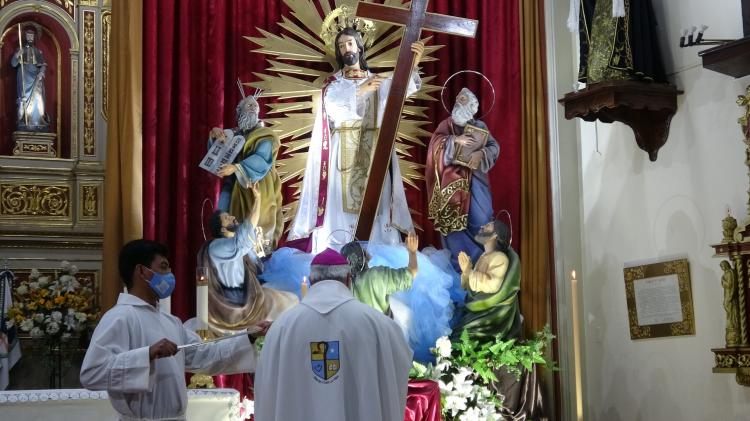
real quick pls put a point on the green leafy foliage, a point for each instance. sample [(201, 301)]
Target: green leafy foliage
[(511, 354)]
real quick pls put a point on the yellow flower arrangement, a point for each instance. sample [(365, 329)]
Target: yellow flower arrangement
[(53, 308)]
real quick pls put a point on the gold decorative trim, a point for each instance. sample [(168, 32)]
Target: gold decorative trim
[(74, 135), (724, 361), (13, 10), (36, 148), (34, 144), (30, 200), (678, 267), (743, 376), (89, 201), (106, 30), (89, 85), (447, 217), (88, 2), (92, 236), (36, 245), (67, 5)]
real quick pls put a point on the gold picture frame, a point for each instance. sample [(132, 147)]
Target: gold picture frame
[(652, 291)]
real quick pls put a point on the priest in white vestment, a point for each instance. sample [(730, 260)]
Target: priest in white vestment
[(338, 163), (332, 357), (133, 353)]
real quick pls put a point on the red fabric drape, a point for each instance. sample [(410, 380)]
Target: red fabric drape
[(422, 401), (193, 54)]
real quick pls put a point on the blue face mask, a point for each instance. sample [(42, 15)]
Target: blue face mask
[(162, 283)]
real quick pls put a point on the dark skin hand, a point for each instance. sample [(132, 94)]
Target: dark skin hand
[(162, 349)]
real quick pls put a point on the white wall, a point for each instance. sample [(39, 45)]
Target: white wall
[(633, 209)]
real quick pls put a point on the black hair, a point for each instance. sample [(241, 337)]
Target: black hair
[(355, 254), (214, 224), (138, 252), (503, 235), (360, 46)]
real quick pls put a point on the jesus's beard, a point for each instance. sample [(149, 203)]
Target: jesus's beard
[(462, 114), (247, 121)]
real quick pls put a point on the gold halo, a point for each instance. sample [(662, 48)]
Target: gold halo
[(341, 18)]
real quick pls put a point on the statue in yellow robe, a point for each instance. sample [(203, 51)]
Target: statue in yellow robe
[(493, 284), (255, 165)]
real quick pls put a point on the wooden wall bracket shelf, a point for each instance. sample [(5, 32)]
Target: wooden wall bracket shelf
[(732, 58), (646, 107)]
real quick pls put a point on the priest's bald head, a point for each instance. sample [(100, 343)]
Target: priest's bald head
[(330, 265)]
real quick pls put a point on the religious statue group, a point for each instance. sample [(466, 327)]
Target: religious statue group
[(372, 307), (247, 286)]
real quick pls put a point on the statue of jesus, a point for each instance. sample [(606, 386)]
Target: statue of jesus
[(342, 140)]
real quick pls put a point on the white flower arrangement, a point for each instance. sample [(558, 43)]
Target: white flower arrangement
[(465, 370), (464, 396), (53, 307)]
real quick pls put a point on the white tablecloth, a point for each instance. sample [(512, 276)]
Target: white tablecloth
[(82, 404)]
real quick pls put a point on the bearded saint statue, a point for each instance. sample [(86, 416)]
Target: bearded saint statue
[(253, 166), (31, 69), (458, 190), (236, 299)]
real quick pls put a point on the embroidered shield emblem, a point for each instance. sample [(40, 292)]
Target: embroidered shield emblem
[(324, 357)]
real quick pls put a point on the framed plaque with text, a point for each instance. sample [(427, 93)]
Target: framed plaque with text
[(659, 298)]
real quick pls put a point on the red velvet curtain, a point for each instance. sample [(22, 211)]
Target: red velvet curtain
[(194, 51)]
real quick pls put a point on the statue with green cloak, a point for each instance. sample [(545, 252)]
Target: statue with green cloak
[(492, 310), (492, 283)]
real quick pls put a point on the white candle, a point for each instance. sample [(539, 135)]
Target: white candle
[(303, 287), (202, 310), (576, 346), (165, 305), (201, 298)]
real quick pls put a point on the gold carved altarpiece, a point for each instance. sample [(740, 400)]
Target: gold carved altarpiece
[(51, 192), (734, 249)]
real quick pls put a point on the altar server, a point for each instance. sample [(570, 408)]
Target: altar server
[(133, 353), (332, 357)]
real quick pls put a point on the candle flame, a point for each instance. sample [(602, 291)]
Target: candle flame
[(573, 274)]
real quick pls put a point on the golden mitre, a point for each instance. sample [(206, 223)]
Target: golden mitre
[(344, 17)]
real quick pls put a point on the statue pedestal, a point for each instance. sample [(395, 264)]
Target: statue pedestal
[(34, 144)]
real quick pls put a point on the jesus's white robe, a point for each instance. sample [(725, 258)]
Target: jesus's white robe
[(117, 360), (342, 107), (332, 358)]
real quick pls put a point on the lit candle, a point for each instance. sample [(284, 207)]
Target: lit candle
[(303, 287), (201, 297), (576, 345)]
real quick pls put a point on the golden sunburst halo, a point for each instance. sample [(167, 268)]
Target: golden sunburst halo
[(294, 82)]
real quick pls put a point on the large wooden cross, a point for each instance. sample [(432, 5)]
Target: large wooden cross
[(415, 20)]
